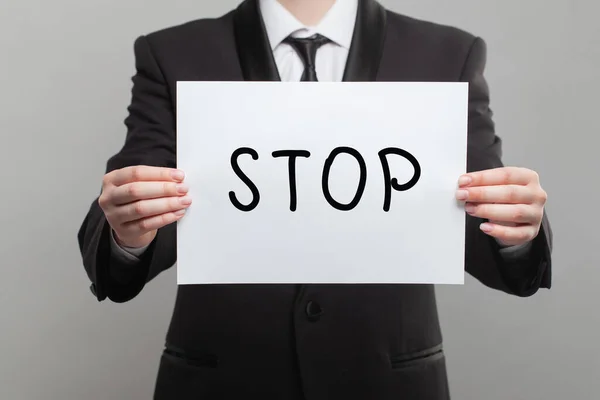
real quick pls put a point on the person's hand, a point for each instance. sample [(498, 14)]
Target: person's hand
[(510, 198), (137, 201)]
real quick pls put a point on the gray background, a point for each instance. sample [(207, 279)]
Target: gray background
[(64, 88)]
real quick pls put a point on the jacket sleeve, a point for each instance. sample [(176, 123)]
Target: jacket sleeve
[(150, 140), (522, 276)]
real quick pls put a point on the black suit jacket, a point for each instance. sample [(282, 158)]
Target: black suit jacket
[(301, 341)]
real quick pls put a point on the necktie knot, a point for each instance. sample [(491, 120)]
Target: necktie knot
[(307, 48)]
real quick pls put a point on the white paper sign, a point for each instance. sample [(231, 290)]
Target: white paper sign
[(234, 141)]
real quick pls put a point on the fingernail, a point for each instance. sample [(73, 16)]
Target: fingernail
[(186, 201), (487, 228), (462, 194), (178, 175), (182, 189), (180, 212), (464, 180), (470, 208)]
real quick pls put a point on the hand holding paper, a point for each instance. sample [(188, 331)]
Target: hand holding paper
[(512, 199), (139, 200)]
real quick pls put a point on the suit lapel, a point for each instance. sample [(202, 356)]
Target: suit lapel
[(256, 58), (252, 42), (367, 42)]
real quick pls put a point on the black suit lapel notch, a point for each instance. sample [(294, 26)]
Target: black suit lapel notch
[(367, 42), (253, 48)]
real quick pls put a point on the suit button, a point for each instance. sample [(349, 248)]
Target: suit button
[(93, 289), (313, 311)]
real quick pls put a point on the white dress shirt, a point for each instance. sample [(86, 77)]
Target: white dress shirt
[(338, 26)]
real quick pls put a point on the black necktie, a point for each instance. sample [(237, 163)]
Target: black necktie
[(307, 50)]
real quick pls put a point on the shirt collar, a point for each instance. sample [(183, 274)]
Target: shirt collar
[(337, 25)]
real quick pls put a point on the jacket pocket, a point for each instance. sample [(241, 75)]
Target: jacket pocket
[(198, 360), (417, 358)]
